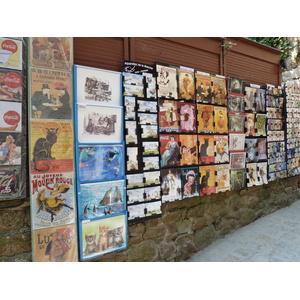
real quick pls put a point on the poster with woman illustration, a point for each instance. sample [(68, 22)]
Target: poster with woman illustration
[(169, 150), (190, 182), (55, 244), (166, 81), (203, 87), (219, 90), (51, 94), (168, 117), (171, 185), (220, 119), (222, 178), (10, 149), (186, 83), (11, 85), (51, 53), (188, 149), (205, 118), (187, 117)]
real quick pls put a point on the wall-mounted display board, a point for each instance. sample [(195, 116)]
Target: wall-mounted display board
[(13, 121), (292, 91), (100, 162), (51, 150)]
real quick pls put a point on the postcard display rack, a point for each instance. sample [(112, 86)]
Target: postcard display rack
[(143, 177), (292, 92), (51, 150), (101, 187), (13, 78)]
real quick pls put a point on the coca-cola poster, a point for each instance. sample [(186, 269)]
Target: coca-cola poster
[(10, 53), (11, 85), (10, 116), (51, 53)]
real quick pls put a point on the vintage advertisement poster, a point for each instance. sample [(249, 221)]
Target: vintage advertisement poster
[(169, 150), (102, 236), (187, 117), (10, 116), (11, 182), (51, 94), (186, 84), (51, 147), (101, 198), (222, 178), (235, 85), (236, 142), (207, 180), (168, 117), (188, 149), (55, 244), (99, 124), (251, 174), (236, 104), (238, 178), (219, 90), (205, 118), (10, 148), (11, 52), (96, 86), (203, 87), (221, 149), (166, 81), (206, 149), (52, 199), (101, 163), (220, 119), (171, 185), (11, 85), (190, 182), (51, 53)]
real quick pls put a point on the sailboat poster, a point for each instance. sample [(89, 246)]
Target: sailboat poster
[(101, 198)]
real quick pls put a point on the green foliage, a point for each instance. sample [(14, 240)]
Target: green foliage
[(280, 43)]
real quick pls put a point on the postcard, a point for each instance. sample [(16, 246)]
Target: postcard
[(169, 150), (11, 85), (237, 160), (205, 118), (152, 178), (221, 149), (188, 149), (206, 149), (168, 117), (187, 117), (132, 161), (11, 52), (171, 185), (186, 83), (166, 81), (222, 178), (190, 182), (207, 180), (220, 119), (11, 116), (203, 87), (238, 178), (219, 90), (135, 195), (236, 142)]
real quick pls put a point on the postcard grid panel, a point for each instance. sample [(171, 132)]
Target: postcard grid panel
[(13, 123), (51, 144), (100, 162)]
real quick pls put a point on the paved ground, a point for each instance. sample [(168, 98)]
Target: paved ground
[(273, 238)]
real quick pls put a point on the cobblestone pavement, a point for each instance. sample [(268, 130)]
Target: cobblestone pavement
[(273, 238)]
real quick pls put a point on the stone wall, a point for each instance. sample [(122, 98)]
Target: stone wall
[(185, 227)]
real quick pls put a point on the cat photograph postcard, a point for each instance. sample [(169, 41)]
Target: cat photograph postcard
[(104, 235)]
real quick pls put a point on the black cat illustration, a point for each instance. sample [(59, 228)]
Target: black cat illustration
[(203, 149), (42, 148), (204, 181)]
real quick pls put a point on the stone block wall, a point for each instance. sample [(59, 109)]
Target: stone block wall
[(185, 227)]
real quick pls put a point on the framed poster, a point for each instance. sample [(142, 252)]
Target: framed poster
[(203, 87), (51, 53), (186, 83), (55, 244), (171, 185), (53, 200), (51, 94), (101, 198), (101, 163), (99, 124), (52, 146), (11, 52), (101, 236), (166, 81), (97, 86), (11, 85), (10, 116)]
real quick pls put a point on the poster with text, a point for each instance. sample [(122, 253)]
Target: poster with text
[(188, 149), (203, 87), (206, 149), (166, 81), (190, 182), (205, 118), (169, 150), (10, 116), (171, 185), (186, 83), (11, 85), (207, 180), (11, 51)]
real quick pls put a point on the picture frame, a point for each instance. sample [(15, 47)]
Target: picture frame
[(99, 124), (97, 86)]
